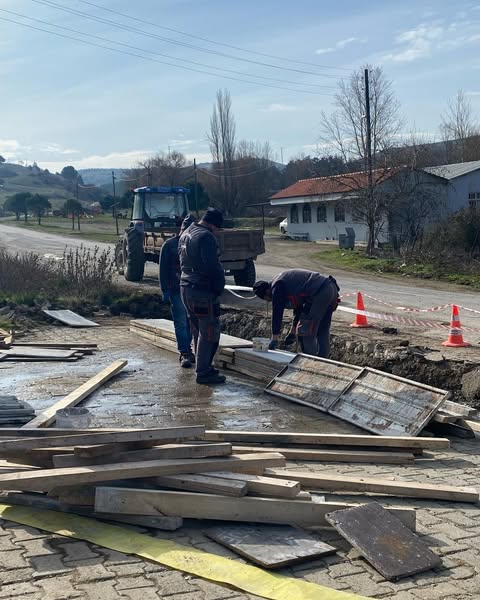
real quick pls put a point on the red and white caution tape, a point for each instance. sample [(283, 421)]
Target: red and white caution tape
[(410, 309), (400, 319)]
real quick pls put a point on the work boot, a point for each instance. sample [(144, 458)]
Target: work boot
[(191, 357), (185, 361), (211, 378)]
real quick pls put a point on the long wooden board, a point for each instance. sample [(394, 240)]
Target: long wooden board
[(271, 546), (68, 317), (210, 506), (203, 483), (144, 435), (357, 456), (326, 439), (372, 485), (47, 417), (167, 451), (263, 486), (384, 541), (46, 479), (38, 353)]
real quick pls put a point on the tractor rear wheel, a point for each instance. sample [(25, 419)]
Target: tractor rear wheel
[(134, 256), (247, 275)]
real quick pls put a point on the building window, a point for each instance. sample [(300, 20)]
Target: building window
[(478, 196), (322, 213), (307, 213), (474, 204), (294, 214), (471, 196), (339, 211)]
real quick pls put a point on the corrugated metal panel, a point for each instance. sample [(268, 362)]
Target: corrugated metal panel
[(378, 402), (455, 170)]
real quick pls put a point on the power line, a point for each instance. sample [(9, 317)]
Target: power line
[(197, 37), (103, 39), (163, 62), (233, 176), (51, 4)]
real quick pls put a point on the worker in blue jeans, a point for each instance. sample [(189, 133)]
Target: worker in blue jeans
[(170, 286)]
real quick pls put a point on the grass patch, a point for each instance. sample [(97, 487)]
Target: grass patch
[(357, 260)]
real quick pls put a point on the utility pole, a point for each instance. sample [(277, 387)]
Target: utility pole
[(76, 189), (195, 193), (369, 165), (149, 177), (114, 211)]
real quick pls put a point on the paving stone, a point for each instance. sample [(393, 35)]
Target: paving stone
[(12, 559), (323, 578), (114, 557), (77, 551), (212, 591), (93, 573), (16, 575), (7, 543), (139, 581), (345, 568), (172, 582), (128, 569), (37, 547), (48, 565), (437, 592), (100, 590), (58, 588), (15, 590), (22, 532)]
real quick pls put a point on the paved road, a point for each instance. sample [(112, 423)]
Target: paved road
[(420, 294)]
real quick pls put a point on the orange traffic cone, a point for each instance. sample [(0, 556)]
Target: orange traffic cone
[(360, 320), (455, 337)]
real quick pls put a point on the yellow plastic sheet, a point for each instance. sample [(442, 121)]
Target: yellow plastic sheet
[(209, 566)]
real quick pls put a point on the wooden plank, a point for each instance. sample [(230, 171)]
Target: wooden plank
[(157, 436), (461, 410), (384, 541), (47, 417), (210, 506), (167, 451), (67, 345), (454, 429), (46, 479), (41, 353), (326, 439), (271, 546), (164, 328), (68, 317), (16, 432), (473, 425), (357, 456), (441, 417), (371, 485), (97, 450), (263, 486), (203, 483), (41, 501)]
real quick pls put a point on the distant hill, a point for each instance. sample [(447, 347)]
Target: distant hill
[(16, 178)]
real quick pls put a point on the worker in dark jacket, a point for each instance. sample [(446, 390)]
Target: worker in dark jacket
[(202, 282), (313, 298), (170, 286)]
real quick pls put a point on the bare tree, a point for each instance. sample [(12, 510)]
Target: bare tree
[(460, 129), (222, 138), (170, 169), (346, 133)]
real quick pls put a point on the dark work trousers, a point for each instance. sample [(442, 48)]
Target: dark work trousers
[(313, 329), (180, 322), (203, 310)]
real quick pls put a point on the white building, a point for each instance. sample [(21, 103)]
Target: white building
[(322, 207)]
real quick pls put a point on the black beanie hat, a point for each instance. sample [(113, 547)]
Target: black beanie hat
[(187, 221), (213, 216), (260, 287)]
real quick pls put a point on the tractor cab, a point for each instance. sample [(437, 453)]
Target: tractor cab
[(159, 208)]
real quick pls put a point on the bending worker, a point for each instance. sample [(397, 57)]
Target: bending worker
[(170, 286), (201, 285), (313, 298)]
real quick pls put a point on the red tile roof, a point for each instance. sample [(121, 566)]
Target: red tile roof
[(336, 184)]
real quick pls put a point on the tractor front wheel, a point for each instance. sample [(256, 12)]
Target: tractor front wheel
[(134, 256)]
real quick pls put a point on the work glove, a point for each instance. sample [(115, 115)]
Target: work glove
[(166, 296), (273, 345), (290, 339)]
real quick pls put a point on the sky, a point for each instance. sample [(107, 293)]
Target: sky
[(64, 101)]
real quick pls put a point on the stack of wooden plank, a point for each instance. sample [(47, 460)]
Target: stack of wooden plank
[(186, 472), (162, 334), (14, 412), (44, 351), (263, 366)]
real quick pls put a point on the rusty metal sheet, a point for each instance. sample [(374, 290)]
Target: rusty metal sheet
[(388, 405), (383, 540), (271, 546), (316, 382)]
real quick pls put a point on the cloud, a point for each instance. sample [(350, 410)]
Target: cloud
[(341, 44), (9, 147), (427, 39), (472, 93), (57, 149), (114, 160), (277, 107)]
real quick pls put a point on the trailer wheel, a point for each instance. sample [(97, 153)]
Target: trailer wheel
[(247, 275), (134, 256)]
